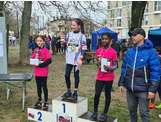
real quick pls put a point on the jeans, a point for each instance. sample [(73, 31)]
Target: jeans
[(138, 99), (68, 70)]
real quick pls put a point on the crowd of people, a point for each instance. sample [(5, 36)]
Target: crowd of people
[(52, 43), (140, 71)]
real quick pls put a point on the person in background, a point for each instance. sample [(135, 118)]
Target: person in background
[(88, 44), (14, 40), (159, 89), (31, 44), (58, 46), (47, 43), (62, 48), (53, 45), (116, 46)]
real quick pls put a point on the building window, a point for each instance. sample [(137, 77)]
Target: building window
[(109, 13), (116, 3), (124, 3), (119, 23), (147, 8), (157, 6), (109, 5), (146, 22), (112, 14), (119, 12)]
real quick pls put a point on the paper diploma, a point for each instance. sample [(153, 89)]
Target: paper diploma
[(104, 62)]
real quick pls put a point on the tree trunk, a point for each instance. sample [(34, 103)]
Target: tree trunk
[(7, 41), (137, 12), (17, 24), (1, 8), (25, 32)]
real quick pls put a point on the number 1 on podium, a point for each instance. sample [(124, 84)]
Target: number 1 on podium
[(64, 110)]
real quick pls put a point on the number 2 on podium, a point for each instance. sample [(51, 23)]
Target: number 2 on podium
[(64, 110), (39, 116)]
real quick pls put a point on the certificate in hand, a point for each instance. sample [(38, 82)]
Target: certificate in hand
[(34, 62), (104, 61)]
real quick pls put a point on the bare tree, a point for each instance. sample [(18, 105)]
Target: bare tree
[(82, 8), (25, 32)]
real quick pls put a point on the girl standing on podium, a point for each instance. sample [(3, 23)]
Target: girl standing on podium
[(76, 45), (41, 70), (107, 63)]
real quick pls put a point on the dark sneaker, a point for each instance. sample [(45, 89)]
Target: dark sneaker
[(38, 104), (93, 117), (102, 118), (67, 94), (45, 106), (75, 96)]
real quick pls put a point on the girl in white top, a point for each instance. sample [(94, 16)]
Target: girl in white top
[(76, 46)]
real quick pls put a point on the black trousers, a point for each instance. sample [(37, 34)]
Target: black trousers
[(159, 90), (107, 86), (41, 83), (68, 70)]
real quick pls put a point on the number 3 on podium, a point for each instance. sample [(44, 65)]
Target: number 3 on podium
[(64, 109)]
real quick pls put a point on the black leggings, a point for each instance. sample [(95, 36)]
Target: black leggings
[(68, 70), (41, 83), (107, 86)]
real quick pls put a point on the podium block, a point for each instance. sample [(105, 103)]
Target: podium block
[(70, 111), (40, 115), (64, 111), (86, 118)]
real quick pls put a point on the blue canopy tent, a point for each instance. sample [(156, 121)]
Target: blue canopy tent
[(155, 36), (97, 34)]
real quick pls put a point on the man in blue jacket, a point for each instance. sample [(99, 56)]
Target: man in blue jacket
[(140, 75)]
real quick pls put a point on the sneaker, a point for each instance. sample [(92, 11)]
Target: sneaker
[(151, 106), (67, 94), (102, 117), (38, 104), (45, 106), (158, 106), (75, 96), (159, 115), (93, 117)]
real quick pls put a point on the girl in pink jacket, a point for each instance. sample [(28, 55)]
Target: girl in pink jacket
[(41, 70)]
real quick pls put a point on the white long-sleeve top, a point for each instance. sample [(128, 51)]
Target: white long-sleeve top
[(75, 43)]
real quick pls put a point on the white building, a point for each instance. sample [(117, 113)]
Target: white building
[(119, 16)]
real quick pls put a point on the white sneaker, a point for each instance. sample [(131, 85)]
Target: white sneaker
[(159, 115)]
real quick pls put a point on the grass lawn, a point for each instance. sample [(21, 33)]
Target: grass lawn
[(10, 111)]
